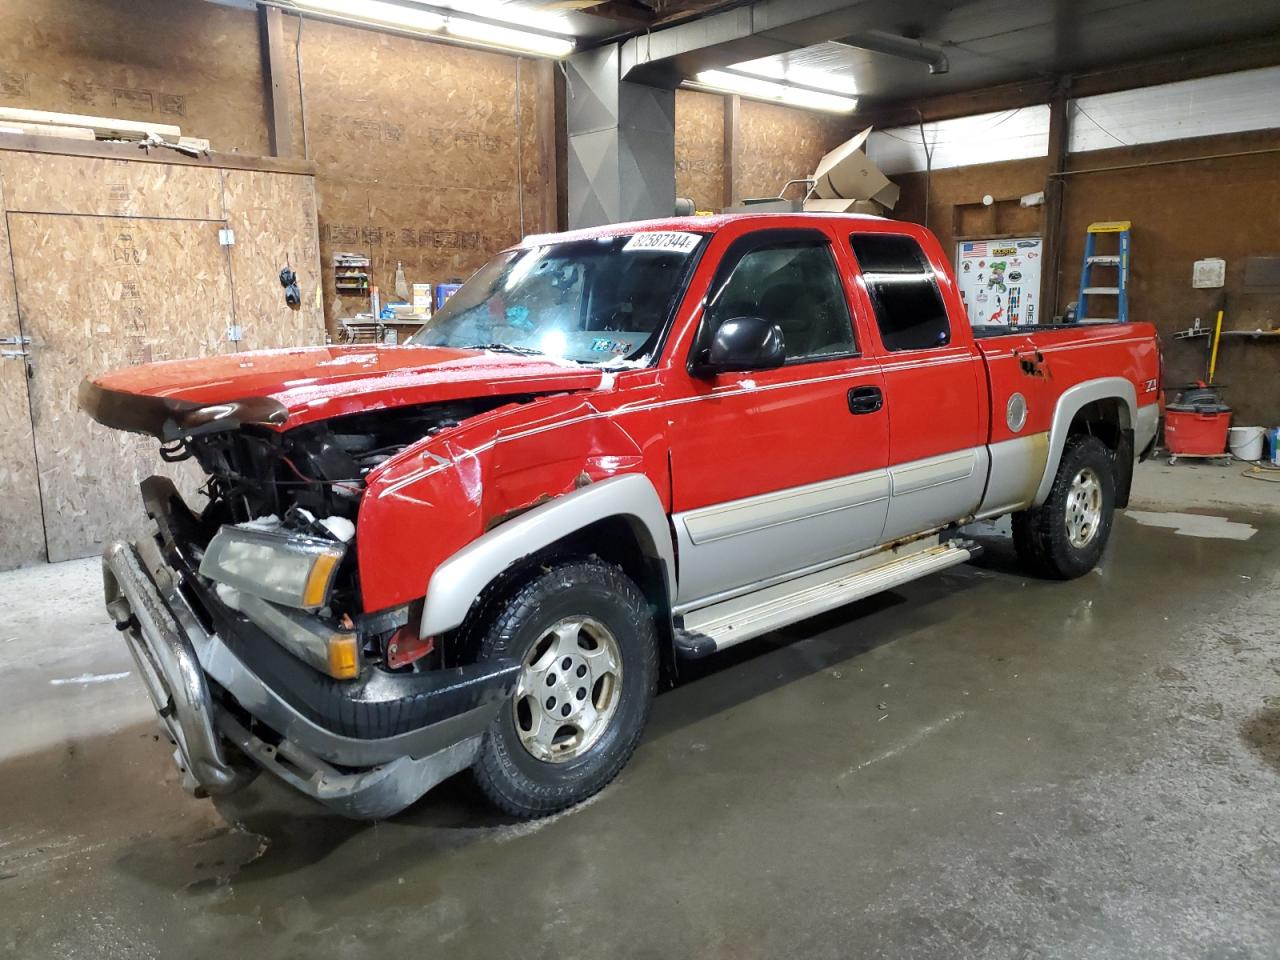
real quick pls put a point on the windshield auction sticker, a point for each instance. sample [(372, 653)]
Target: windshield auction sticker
[(662, 242)]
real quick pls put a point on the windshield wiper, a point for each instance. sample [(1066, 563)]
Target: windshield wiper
[(505, 348)]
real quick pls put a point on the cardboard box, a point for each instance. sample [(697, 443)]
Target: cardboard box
[(844, 206), (423, 299), (846, 173)]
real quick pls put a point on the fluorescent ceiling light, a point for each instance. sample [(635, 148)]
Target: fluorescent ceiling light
[(415, 19), (513, 14), (757, 88), (377, 11), (508, 39), (770, 69)]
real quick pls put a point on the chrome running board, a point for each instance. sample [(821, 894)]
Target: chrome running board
[(710, 629)]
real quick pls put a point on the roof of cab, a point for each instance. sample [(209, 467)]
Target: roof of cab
[(694, 224)]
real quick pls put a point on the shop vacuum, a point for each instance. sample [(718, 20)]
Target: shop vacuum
[(1196, 421)]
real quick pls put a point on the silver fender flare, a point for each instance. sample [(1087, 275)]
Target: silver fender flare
[(1070, 403), (459, 580)]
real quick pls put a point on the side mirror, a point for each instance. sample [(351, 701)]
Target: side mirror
[(743, 343)]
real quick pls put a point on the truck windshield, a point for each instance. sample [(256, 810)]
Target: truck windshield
[(604, 300)]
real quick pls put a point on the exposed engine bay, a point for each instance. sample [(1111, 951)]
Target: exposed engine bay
[(320, 467), (310, 480)]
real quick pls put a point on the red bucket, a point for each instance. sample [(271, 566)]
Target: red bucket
[(1192, 432)]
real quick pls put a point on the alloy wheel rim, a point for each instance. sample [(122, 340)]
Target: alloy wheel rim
[(1084, 508), (568, 690)]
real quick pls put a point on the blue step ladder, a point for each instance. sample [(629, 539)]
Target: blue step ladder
[(1119, 261)]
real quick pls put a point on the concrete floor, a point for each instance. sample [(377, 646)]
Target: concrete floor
[(977, 765)]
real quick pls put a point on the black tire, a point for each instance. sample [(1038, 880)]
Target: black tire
[(507, 772), (1041, 535)]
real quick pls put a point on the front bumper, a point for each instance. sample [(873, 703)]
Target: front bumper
[(232, 701)]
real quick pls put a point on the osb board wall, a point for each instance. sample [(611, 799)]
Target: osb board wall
[(777, 144), (272, 215), (117, 263), (274, 219), (964, 187), (187, 62), (98, 293), (1227, 207), (118, 188), (21, 527), (426, 156), (700, 148)]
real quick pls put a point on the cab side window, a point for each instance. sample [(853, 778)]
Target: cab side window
[(904, 291), (790, 280)]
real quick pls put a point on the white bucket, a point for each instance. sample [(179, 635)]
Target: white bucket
[(1245, 443)]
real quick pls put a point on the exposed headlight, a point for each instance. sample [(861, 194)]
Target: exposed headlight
[(291, 570)]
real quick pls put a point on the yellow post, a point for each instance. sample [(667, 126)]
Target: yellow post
[(1213, 354)]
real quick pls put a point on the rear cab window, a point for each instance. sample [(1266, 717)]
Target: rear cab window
[(904, 291)]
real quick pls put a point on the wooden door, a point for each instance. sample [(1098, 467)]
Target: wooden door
[(273, 216), (95, 293)]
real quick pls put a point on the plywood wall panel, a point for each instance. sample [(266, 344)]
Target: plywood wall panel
[(97, 293), (777, 144), (48, 183), (421, 156), (418, 117), (185, 62), (965, 187), (274, 219), (700, 148), (21, 523)]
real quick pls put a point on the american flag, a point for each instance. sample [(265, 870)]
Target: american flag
[(977, 248)]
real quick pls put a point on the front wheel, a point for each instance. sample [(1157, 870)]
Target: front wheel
[(585, 638), (1064, 537)]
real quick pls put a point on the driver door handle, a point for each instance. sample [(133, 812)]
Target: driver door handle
[(865, 400)]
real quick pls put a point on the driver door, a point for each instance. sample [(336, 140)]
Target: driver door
[(775, 471)]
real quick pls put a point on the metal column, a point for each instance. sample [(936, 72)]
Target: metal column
[(621, 153)]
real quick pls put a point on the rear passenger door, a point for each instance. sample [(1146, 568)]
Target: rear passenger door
[(933, 386)]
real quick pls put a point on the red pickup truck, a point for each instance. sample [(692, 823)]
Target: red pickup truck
[(612, 450)]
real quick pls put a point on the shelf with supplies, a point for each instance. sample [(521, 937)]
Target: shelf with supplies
[(351, 274)]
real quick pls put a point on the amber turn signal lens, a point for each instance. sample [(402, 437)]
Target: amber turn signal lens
[(344, 656), (318, 579)]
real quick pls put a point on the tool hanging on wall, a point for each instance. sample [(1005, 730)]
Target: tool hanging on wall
[(1217, 339), (1119, 260)]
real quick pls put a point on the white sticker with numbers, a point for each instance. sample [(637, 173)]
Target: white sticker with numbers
[(662, 242)]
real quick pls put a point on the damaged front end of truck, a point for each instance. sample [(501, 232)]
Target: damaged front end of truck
[(246, 618)]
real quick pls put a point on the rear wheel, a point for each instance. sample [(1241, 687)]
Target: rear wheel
[(1064, 537), (585, 638)]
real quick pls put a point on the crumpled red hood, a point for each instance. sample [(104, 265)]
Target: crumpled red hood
[(316, 383)]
